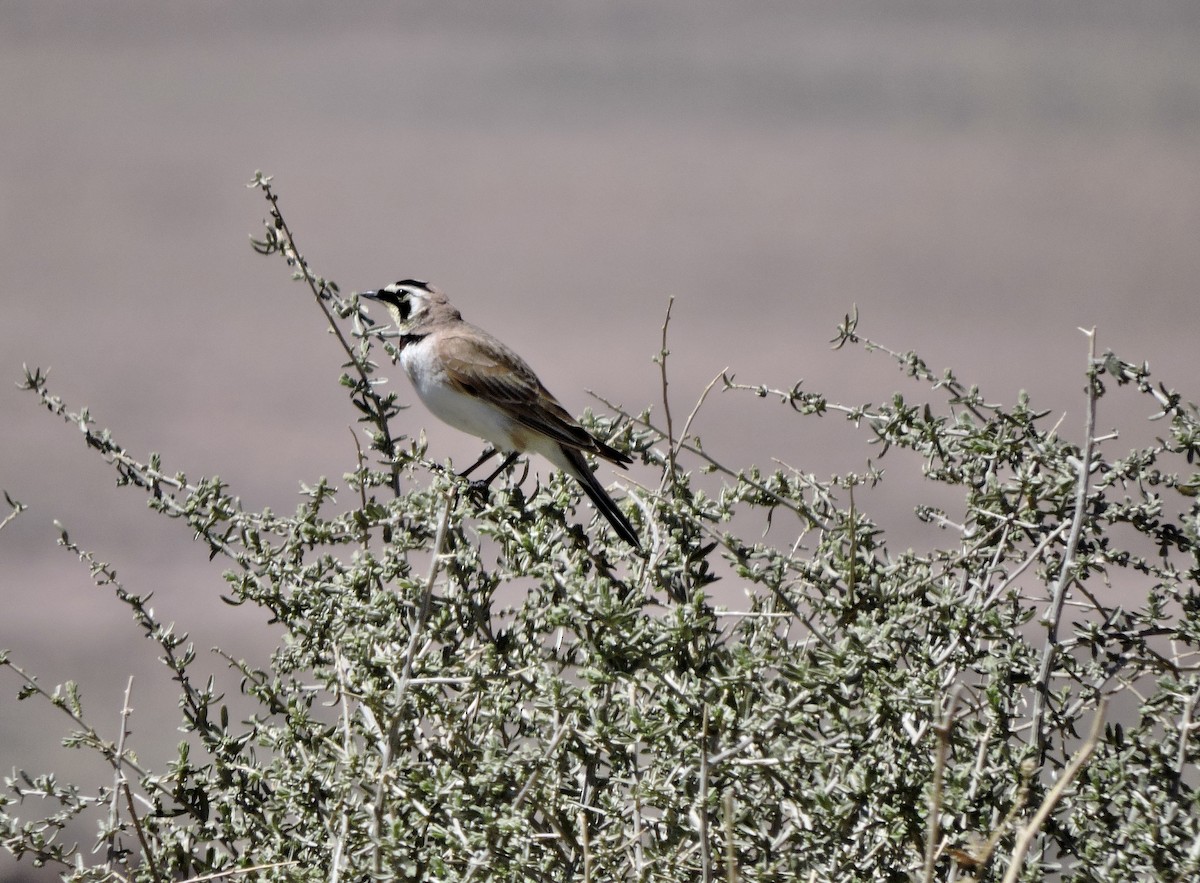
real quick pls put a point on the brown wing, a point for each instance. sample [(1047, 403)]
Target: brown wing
[(481, 366)]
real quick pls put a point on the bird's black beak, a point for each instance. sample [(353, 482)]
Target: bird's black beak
[(368, 295)]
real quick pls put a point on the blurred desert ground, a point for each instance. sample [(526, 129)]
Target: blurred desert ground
[(979, 178)]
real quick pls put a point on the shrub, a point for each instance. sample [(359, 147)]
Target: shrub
[(479, 688)]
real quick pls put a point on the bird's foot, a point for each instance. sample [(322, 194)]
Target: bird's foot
[(477, 489)]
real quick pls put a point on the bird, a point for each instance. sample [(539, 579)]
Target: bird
[(473, 382)]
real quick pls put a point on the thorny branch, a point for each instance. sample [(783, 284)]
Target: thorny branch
[(1051, 648), (380, 409)]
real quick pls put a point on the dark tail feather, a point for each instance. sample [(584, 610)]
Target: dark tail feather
[(611, 454), (600, 498)]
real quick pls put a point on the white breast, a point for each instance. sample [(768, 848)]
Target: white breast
[(464, 412)]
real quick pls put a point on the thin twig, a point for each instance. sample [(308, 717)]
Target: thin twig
[(1050, 651), (717, 466), (292, 253), (687, 424), (1001, 545), (91, 737), (675, 446), (118, 780), (1186, 725), (918, 368), (339, 844), (586, 845), (1026, 835), (555, 740), (362, 482), (662, 368), (1024, 565), (942, 752), (702, 810), (639, 855), (435, 566), (405, 677), (648, 514), (852, 571), (154, 481), (141, 835), (731, 864)]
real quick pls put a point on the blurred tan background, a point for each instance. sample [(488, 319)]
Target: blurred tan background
[(980, 178)]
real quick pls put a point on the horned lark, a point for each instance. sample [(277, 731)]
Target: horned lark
[(475, 383)]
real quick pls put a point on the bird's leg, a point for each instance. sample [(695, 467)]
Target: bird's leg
[(482, 483), (487, 455)]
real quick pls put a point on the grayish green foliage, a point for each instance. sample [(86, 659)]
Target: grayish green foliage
[(413, 726)]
